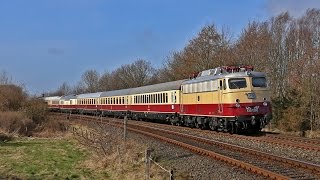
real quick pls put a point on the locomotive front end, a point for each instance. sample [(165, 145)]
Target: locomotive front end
[(247, 99)]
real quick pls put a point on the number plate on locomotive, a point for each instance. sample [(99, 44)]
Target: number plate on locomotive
[(251, 95), (252, 109)]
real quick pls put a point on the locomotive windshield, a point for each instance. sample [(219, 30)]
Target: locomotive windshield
[(259, 82), (237, 83)]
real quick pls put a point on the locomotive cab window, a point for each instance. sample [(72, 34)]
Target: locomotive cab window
[(259, 82), (237, 83)]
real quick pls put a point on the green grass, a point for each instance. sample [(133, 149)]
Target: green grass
[(45, 159)]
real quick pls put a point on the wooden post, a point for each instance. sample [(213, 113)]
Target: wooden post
[(171, 174), (125, 120), (148, 153)]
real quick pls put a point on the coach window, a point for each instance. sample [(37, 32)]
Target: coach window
[(166, 97)]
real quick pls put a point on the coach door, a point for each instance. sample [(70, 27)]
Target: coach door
[(220, 95)]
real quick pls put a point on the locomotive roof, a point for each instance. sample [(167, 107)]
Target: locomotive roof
[(89, 95), (173, 85), (225, 75)]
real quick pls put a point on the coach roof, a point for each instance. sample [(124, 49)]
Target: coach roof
[(174, 85), (68, 97), (89, 95), (115, 93)]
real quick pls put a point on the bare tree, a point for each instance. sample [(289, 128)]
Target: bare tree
[(105, 82), (90, 79), (5, 78), (79, 88), (137, 74), (206, 51)]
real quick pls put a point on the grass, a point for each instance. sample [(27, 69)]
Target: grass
[(46, 159)]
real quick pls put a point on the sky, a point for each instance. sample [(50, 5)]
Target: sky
[(44, 43)]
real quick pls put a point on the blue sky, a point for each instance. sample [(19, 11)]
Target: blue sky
[(44, 43)]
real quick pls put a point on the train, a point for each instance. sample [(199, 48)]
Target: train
[(231, 99)]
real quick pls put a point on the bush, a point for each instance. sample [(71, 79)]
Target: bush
[(12, 97), (36, 110), (16, 123)]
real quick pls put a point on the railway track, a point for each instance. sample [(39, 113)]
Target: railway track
[(283, 140), (278, 139), (265, 164)]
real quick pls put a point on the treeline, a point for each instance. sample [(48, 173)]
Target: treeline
[(286, 48)]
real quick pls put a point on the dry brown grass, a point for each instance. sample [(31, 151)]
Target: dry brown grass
[(52, 128), (16, 123), (126, 163), (122, 160), (313, 134)]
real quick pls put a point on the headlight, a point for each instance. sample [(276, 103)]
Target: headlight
[(237, 103), (265, 102)]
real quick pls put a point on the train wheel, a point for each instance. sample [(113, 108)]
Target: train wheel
[(212, 125), (233, 128), (197, 125)]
